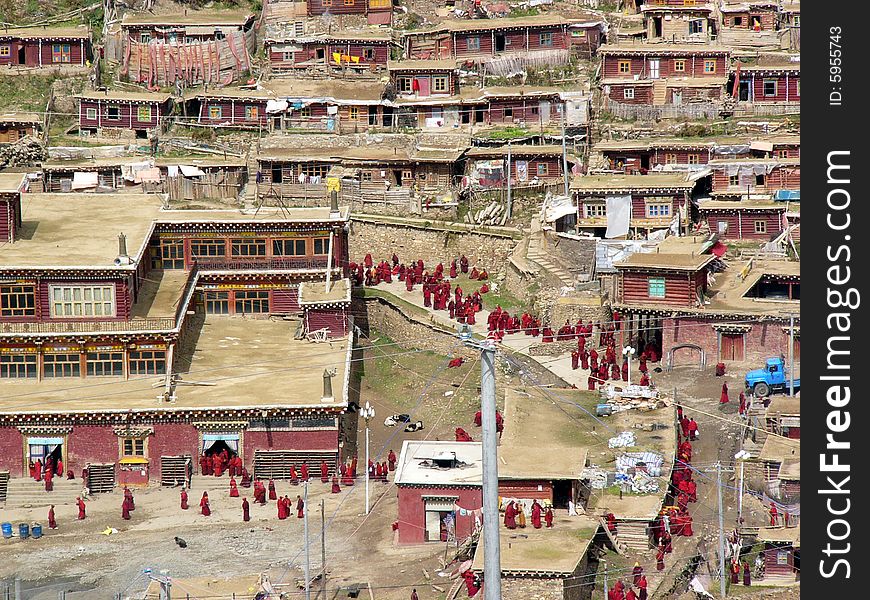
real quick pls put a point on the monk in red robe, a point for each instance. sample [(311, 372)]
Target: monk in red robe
[(324, 472), (234, 491), (548, 334), (304, 471), (548, 517), (641, 586), (536, 514), (49, 483), (693, 429), (282, 508), (625, 369), (246, 510), (37, 470), (510, 516), (660, 558), (294, 476), (70, 475), (575, 360), (129, 496), (81, 506), (246, 478), (644, 379), (52, 523), (453, 269), (391, 459), (205, 509), (183, 499), (774, 514), (272, 494), (300, 507), (125, 510), (723, 397), (335, 488), (636, 573), (59, 470)]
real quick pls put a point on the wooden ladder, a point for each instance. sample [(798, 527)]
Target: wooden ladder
[(101, 478), (660, 92), (174, 470)]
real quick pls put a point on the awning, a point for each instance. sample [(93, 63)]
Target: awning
[(784, 195), (84, 179), (217, 437), (134, 460), (189, 171), (276, 106), (696, 175), (44, 441), (719, 249)]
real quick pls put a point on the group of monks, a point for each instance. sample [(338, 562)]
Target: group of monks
[(621, 591), (80, 504), (47, 471), (218, 462), (515, 515), (735, 572)]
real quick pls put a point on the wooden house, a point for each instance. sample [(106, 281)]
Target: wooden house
[(744, 220), (783, 414), (44, 47), (479, 38), (755, 16), (754, 178), (110, 113), (779, 462), (656, 201), (82, 305), (782, 554), (192, 179), (437, 483), (196, 48), (666, 279), (344, 52), (586, 37), (11, 186), (529, 165), (230, 107), (424, 78), (97, 174), (769, 79), (353, 7), (657, 74), (18, 125), (678, 21), (523, 105)]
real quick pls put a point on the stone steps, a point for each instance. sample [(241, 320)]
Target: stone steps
[(22, 492)]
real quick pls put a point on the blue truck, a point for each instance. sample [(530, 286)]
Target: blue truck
[(771, 379)]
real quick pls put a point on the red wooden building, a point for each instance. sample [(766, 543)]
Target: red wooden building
[(11, 186), (750, 16), (782, 554), (161, 305), (477, 38), (678, 21), (770, 79), (344, 52), (201, 26), (233, 107), (659, 74), (529, 165), (783, 414), (440, 490), (424, 78), (655, 201), (17, 125), (106, 112), (53, 47), (666, 279), (379, 11), (744, 220), (754, 178)]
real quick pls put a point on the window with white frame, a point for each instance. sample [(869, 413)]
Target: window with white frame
[(769, 87), (113, 113), (546, 38), (594, 209), (656, 287), (760, 226), (91, 114), (82, 300), (658, 210), (143, 113), (4, 51), (628, 93), (440, 85), (474, 43)]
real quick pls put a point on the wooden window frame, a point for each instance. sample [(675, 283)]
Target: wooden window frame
[(241, 247), (593, 210), (91, 114), (104, 364), (279, 247), (404, 85), (656, 282), (759, 226), (252, 302), (348, 2), (473, 46), (545, 35), (109, 109), (208, 248), (146, 362), (17, 300), (441, 84), (324, 246), (663, 208), (140, 111), (709, 66), (542, 169), (65, 298), (18, 366), (5, 51), (734, 181), (679, 65), (145, 37), (694, 159), (61, 365), (623, 67), (252, 113), (353, 113), (764, 85), (628, 93), (215, 112), (216, 299), (671, 158), (61, 54), (133, 440)]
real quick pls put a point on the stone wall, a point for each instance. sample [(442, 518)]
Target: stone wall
[(582, 305), (431, 244), (522, 588)]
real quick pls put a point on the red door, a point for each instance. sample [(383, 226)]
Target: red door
[(732, 347)]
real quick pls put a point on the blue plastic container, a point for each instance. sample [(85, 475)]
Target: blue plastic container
[(7, 530), (23, 531), (36, 531)]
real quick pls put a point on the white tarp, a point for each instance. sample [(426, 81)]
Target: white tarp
[(276, 106), (618, 215), (151, 175), (189, 171), (83, 180), (556, 207), (129, 171), (651, 460)]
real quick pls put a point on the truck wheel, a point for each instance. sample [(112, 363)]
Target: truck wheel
[(761, 389)]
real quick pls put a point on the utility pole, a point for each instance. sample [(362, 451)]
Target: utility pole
[(721, 531), (791, 355), (367, 413), (509, 202), (307, 545), (322, 551), (491, 548), (564, 150), (606, 591)]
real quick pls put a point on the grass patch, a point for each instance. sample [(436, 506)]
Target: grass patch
[(25, 92)]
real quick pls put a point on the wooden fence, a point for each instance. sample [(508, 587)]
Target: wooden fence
[(645, 112)]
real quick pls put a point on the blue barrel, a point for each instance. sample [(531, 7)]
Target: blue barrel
[(23, 531), (7, 530), (36, 531)]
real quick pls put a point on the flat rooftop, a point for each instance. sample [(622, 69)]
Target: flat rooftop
[(785, 535), (236, 363), (160, 294), (631, 182), (779, 449), (554, 552), (10, 183), (81, 230), (784, 405), (315, 292), (125, 96), (671, 262), (537, 442), (205, 17), (26, 33), (487, 151), (415, 463), (663, 48)]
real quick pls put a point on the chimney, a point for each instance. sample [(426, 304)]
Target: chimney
[(123, 258), (327, 387)]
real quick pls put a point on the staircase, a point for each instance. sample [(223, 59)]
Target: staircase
[(248, 193), (24, 492), (660, 92), (633, 535), (537, 255)]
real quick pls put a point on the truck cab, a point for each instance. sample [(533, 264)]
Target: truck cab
[(773, 377)]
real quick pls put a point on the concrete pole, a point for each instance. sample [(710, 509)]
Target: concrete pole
[(740, 494), (509, 202), (322, 551), (606, 591), (307, 545), (564, 149), (721, 531), (492, 549), (791, 356), (368, 506)]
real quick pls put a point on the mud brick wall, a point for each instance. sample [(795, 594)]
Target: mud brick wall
[(431, 244)]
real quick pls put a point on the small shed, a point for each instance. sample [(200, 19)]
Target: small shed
[(782, 554)]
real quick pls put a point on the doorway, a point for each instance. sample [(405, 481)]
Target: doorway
[(654, 68), (562, 493), (440, 525), (732, 347), (22, 57), (743, 91), (677, 97), (388, 116), (657, 27), (44, 449), (499, 42), (373, 115), (478, 115)]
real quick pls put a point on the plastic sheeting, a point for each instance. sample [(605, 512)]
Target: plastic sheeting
[(190, 171), (276, 106), (652, 460), (556, 207), (622, 440), (618, 215), (83, 180)]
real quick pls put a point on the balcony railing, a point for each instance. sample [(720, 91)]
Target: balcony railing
[(288, 263), (145, 324)]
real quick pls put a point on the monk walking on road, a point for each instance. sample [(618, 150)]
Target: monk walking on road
[(246, 510), (204, 506), (81, 506), (52, 523), (183, 499)]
